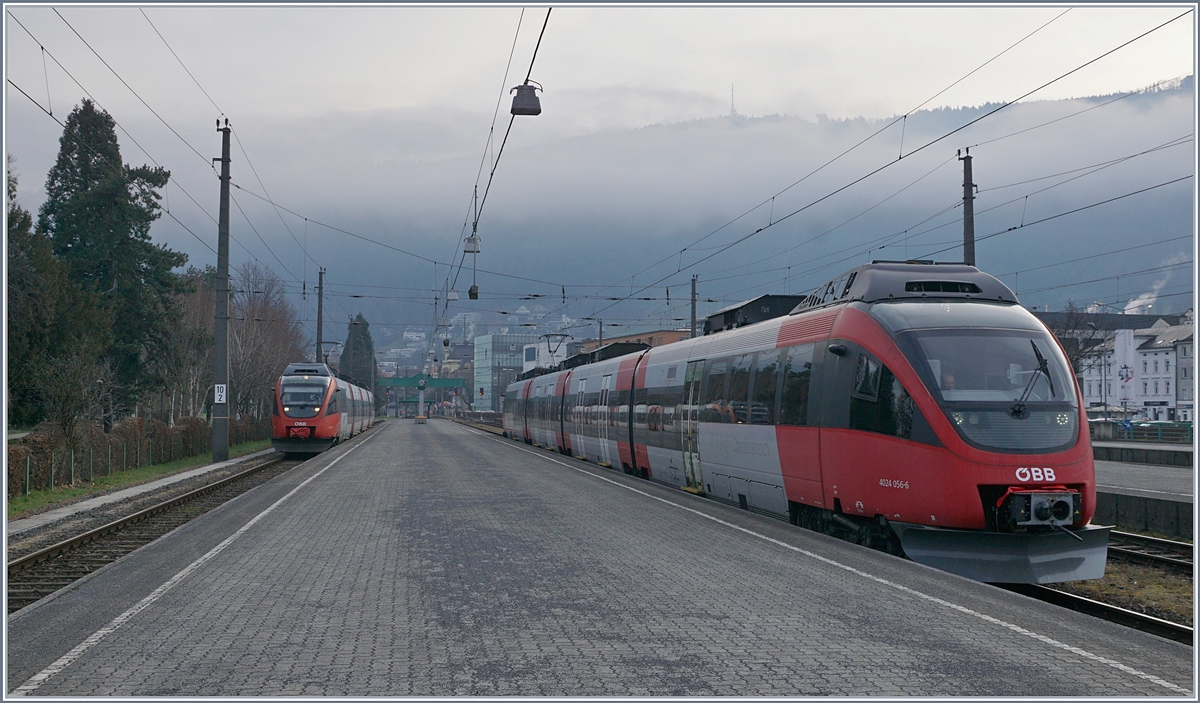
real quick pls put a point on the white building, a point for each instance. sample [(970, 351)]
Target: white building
[(1186, 382), (1148, 373)]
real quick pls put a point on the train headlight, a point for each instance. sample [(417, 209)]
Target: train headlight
[(286, 409), (1063, 419), (973, 418), (1061, 510), (958, 418)]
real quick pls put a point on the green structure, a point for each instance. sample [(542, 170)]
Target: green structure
[(404, 391)]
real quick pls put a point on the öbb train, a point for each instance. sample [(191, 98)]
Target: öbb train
[(912, 407), (314, 410)]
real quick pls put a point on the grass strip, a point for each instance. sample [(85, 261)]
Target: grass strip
[(41, 500)]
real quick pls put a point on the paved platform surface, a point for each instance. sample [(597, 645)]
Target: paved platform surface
[(13, 527), (435, 560), (1149, 481)]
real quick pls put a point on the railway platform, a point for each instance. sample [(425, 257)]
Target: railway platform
[(482, 566), (1160, 453), (15, 527)]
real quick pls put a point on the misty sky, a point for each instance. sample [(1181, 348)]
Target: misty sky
[(375, 120)]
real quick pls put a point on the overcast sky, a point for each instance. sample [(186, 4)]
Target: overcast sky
[(344, 112)]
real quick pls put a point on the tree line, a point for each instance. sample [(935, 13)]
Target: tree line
[(102, 326)]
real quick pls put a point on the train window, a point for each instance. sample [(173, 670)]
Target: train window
[(739, 388), (890, 412), (797, 374), (713, 405), (866, 378), (762, 396)]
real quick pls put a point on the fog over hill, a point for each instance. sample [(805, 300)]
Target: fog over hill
[(595, 210)]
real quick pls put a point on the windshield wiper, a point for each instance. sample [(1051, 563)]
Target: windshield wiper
[(1018, 409)]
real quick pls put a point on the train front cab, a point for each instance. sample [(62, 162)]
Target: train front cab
[(975, 451), (305, 419)]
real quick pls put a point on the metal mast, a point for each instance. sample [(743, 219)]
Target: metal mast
[(220, 413)]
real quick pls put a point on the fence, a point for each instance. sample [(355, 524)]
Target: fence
[(487, 418), (1166, 432), (41, 461)]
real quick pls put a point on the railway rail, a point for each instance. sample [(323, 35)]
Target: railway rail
[(1177, 556), (1104, 611), (45, 571)]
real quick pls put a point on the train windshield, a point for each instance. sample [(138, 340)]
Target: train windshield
[(994, 369), (301, 399)]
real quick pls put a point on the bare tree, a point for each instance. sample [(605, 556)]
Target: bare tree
[(194, 344), (264, 337), (1081, 333), (75, 386)]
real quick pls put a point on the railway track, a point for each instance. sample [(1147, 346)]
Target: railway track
[(1177, 556), (39, 574), (1104, 611)]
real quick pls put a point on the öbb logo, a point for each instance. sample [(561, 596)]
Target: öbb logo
[(1035, 474)]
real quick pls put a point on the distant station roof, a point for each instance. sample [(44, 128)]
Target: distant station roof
[(764, 307), (608, 351)]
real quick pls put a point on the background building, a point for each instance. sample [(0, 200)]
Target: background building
[(1138, 367), (498, 360)]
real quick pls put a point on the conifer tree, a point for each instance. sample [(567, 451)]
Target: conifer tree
[(97, 216), (358, 354)]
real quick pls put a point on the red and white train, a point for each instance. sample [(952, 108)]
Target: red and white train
[(314, 410), (912, 407)]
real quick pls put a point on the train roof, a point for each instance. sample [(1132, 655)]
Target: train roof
[(307, 369), (898, 280)]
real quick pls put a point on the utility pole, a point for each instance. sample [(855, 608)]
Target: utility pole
[(601, 333), (694, 306), (968, 210), (220, 407), (320, 313)]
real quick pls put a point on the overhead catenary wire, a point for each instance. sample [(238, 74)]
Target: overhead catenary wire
[(883, 242), (134, 140), (135, 93), (89, 147), (131, 138), (181, 63), (839, 156), (1064, 214), (681, 268), (99, 105), (918, 149)]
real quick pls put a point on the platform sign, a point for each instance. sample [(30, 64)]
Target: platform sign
[(219, 394)]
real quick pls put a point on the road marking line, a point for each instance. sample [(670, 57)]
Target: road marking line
[(932, 599), (67, 659), (1147, 490)]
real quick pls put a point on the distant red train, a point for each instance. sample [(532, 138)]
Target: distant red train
[(913, 407), (314, 410)]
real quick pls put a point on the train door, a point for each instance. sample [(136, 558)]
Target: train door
[(606, 430), (579, 425), (689, 417), (562, 399)]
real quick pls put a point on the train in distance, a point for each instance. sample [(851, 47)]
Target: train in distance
[(909, 406), (314, 410)]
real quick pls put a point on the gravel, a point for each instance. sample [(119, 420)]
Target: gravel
[(46, 535)]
